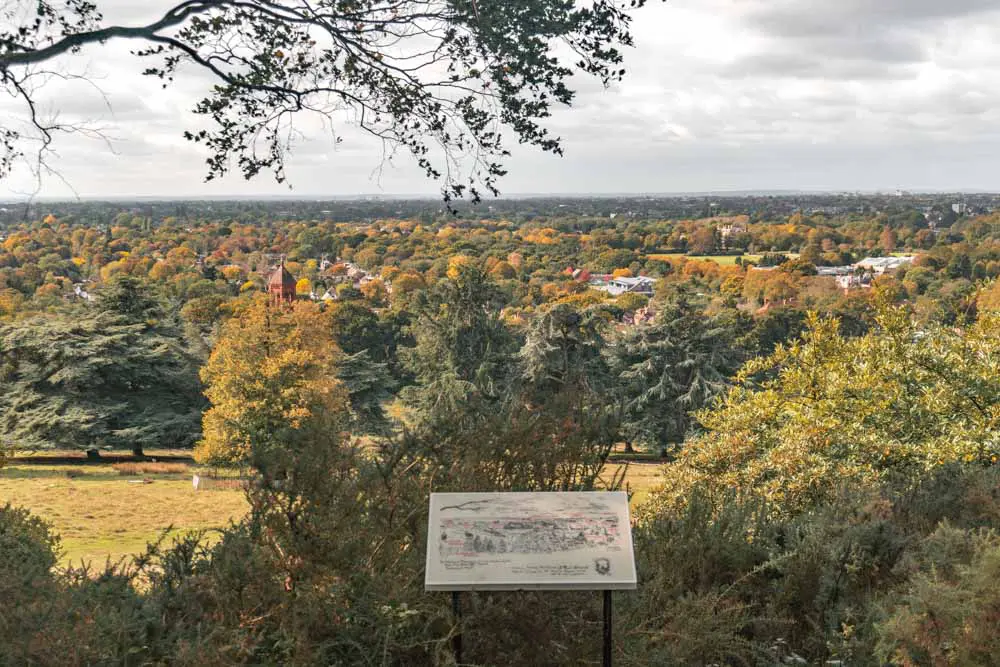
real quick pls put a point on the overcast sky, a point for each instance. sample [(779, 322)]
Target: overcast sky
[(721, 95)]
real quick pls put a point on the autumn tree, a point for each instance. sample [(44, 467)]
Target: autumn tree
[(888, 240), (438, 79), (703, 241), (272, 383)]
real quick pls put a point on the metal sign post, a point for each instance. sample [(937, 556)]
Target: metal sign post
[(607, 628), (456, 641)]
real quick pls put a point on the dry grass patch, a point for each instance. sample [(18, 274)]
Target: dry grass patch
[(99, 514), (640, 478), (151, 468)]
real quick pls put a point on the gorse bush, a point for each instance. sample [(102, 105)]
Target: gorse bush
[(331, 573)]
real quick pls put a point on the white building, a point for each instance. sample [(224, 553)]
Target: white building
[(616, 286), (879, 265)]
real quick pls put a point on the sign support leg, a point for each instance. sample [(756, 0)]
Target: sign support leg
[(607, 629), (456, 641)]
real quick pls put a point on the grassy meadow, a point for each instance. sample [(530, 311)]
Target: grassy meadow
[(105, 510), (722, 260)]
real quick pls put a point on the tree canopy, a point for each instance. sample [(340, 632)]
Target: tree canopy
[(271, 381), (96, 381)]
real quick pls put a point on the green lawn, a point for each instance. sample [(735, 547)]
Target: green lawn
[(101, 514)]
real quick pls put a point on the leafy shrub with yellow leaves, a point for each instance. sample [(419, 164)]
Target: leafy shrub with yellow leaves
[(830, 409)]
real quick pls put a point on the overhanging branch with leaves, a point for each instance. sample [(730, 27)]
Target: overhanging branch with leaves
[(440, 79)]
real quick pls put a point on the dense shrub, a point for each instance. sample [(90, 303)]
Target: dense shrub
[(28, 552)]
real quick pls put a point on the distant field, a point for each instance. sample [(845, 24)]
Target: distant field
[(640, 478), (722, 260), (99, 514)]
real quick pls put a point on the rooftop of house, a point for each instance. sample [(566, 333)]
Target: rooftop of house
[(884, 262), (637, 280)]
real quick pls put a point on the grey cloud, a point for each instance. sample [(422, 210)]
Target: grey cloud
[(799, 65), (849, 39), (797, 18)]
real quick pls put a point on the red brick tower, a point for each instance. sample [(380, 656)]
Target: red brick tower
[(281, 285)]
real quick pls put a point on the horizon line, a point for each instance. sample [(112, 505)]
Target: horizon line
[(368, 197)]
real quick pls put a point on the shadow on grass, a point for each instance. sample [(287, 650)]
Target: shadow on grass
[(89, 474), (105, 459)]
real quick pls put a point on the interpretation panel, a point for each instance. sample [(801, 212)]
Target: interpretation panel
[(537, 541)]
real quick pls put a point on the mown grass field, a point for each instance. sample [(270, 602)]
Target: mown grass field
[(722, 260), (101, 513)]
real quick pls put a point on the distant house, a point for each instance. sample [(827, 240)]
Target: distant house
[(281, 285), (846, 276), (616, 286), (726, 231), (862, 273)]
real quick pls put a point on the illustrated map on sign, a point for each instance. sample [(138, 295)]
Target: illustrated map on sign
[(493, 541)]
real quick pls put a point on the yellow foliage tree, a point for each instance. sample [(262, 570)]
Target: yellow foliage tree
[(989, 298), (456, 264), (375, 292), (233, 272), (621, 273), (407, 283), (10, 301), (162, 270), (503, 270), (271, 383)]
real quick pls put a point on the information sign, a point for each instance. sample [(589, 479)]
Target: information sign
[(529, 541)]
